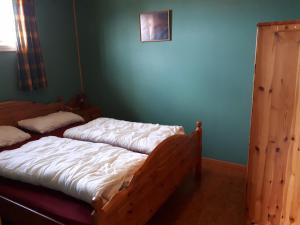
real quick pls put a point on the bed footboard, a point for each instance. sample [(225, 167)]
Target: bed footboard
[(154, 182)]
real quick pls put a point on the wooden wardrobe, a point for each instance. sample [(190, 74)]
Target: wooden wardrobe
[(273, 182)]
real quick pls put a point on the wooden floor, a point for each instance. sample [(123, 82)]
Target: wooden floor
[(219, 199)]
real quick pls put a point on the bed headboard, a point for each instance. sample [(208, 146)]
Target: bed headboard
[(13, 111)]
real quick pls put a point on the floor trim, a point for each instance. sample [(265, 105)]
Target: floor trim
[(224, 164)]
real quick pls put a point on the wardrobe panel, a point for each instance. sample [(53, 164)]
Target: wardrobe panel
[(273, 195)]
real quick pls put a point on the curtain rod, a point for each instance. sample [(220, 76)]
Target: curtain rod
[(78, 47)]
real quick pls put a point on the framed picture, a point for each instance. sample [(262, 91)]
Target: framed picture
[(155, 26)]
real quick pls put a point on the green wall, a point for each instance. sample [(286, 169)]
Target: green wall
[(55, 23), (205, 73)]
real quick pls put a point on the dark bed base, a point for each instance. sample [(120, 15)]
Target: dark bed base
[(15, 211)]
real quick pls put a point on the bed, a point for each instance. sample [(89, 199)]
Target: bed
[(150, 186)]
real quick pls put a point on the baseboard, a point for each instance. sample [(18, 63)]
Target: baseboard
[(224, 164)]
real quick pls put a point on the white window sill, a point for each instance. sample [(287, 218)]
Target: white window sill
[(5, 48)]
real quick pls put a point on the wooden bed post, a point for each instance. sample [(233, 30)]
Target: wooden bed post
[(198, 131)]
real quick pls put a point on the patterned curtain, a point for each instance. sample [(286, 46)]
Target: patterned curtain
[(30, 59)]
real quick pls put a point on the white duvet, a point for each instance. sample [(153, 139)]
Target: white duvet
[(80, 169), (139, 137)]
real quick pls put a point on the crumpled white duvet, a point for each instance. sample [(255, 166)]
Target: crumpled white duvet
[(139, 137), (80, 169)]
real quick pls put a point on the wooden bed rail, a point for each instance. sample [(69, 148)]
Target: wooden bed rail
[(154, 182)]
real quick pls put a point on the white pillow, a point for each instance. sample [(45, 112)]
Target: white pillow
[(12, 135), (50, 122)]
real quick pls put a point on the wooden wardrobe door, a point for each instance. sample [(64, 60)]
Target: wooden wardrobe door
[(273, 183)]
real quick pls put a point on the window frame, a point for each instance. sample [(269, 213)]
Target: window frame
[(8, 47)]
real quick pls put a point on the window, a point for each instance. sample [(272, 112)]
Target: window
[(7, 26)]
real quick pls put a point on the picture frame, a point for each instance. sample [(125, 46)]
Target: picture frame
[(155, 26)]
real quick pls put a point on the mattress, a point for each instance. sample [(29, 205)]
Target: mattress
[(79, 169), (138, 137)]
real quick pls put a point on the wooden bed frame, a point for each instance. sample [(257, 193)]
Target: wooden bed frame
[(152, 184)]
